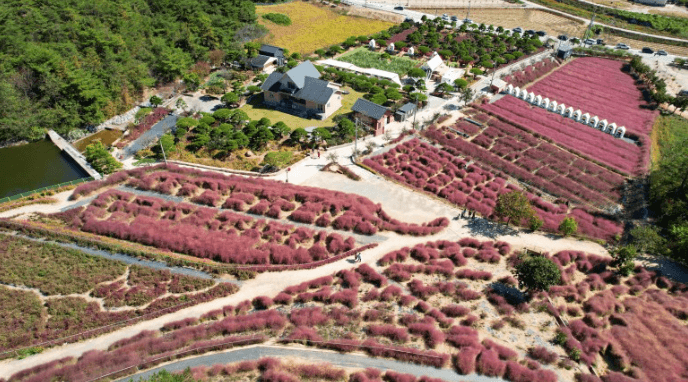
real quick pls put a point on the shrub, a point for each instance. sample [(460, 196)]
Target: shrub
[(543, 355), (465, 360), (262, 302), (455, 310)]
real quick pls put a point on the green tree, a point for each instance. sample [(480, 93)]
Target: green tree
[(298, 135), (418, 97), (280, 129), (345, 128), (261, 137), (537, 273), (320, 134), (223, 115), (186, 123), (416, 73), (230, 99), (568, 226), (155, 101), (393, 94), (379, 98), (100, 158), (460, 83), (623, 259), (648, 239), (513, 205)]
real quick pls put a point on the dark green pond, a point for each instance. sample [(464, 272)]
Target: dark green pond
[(35, 165)]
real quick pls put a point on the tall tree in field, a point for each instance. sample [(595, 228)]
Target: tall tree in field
[(513, 205), (537, 273)]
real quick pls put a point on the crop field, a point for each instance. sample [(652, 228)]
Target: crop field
[(276, 200), (58, 292), (437, 302), (366, 59), (314, 27), (442, 172), (534, 19)]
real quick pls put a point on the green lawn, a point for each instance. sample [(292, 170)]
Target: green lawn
[(366, 59), (256, 110)]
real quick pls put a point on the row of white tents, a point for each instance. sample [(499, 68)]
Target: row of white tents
[(568, 112)]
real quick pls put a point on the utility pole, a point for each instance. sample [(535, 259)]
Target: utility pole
[(163, 152), (592, 19), (469, 10), (356, 140)]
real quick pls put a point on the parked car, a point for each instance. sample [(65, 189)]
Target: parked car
[(541, 33), (445, 17), (600, 41), (455, 18), (530, 32), (622, 46), (518, 30), (647, 50), (563, 37), (467, 21), (589, 41), (683, 93), (399, 8), (661, 53)]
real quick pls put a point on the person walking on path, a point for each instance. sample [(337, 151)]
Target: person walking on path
[(318, 154), (357, 258)]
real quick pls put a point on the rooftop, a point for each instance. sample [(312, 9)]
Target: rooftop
[(369, 109)]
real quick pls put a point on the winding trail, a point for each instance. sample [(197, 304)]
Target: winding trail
[(312, 355)]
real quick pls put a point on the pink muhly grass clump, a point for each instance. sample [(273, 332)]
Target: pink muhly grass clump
[(371, 276), (503, 352), (489, 364), (392, 332), (393, 376), (465, 360), (543, 355), (262, 302), (304, 333), (282, 299), (346, 297), (431, 335), (390, 293), (473, 275), (308, 317)]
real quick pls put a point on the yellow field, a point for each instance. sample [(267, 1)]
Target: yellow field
[(314, 27)]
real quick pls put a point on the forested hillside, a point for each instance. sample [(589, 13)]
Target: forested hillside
[(66, 64)]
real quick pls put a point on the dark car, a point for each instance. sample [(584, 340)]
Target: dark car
[(647, 50), (518, 30), (600, 41), (399, 8), (563, 37), (530, 32), (661, 53), (455, 18), (541, 33)]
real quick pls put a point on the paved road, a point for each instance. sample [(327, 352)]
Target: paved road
[(149, 136), (312, 355)]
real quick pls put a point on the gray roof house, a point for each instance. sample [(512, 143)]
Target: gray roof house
[(372, 114), (267, 55), (406, 111), (301, 91), (369, 109)]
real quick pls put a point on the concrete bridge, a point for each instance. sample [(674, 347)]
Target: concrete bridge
[(67, 147)]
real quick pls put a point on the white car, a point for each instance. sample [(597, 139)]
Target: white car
[(622, 46)]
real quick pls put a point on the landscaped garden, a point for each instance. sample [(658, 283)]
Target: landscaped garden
[(448, 305), (364, 58), (273, 199), (52, 295), (445, 172)]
